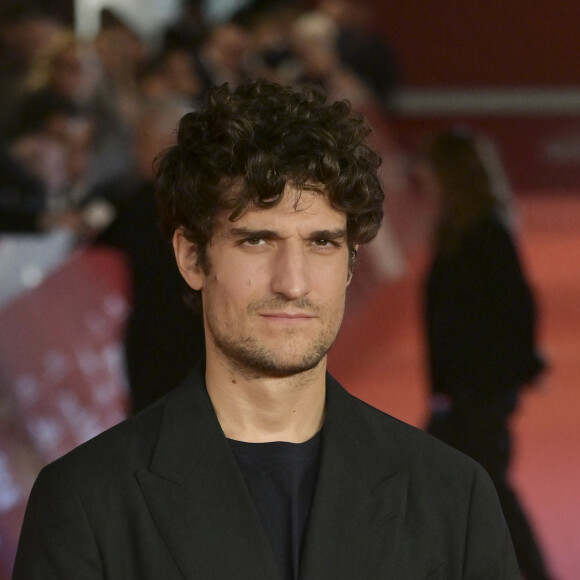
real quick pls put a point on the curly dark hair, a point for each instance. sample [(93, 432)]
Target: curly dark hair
[(245, 144)]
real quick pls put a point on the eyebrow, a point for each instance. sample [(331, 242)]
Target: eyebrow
[(331, 235), (244, 232)]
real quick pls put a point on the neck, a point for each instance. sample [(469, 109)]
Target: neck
[(262, 409)]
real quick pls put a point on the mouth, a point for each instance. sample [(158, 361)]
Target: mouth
[(288, 316)]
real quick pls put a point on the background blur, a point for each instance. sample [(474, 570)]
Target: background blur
[(412, 66)]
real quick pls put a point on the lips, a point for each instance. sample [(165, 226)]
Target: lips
[(288, 315)]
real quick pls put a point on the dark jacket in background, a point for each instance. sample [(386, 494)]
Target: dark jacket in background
[(480, 315), (163, 338), (481, 321), (22, 196)]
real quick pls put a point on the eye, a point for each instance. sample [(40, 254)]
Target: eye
[(256, 241), (324, 243)]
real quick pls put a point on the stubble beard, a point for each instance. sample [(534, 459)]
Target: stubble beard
[(252, 358)]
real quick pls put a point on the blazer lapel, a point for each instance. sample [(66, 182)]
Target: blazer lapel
[(197, 496), (359, 505)]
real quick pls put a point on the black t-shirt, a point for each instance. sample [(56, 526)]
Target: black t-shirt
[(281, 477)]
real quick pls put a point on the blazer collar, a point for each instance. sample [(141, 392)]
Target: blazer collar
[(197, 495), (360, 499), (203, 509)]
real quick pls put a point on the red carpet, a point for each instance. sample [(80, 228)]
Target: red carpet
[(379, 358)]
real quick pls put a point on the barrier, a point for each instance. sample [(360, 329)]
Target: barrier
[(61, 375)]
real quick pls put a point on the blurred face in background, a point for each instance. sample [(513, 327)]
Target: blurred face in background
[(31, 38), (226, 50), (313, 39), (76, 72), (45, 158), (76, 135), (181, 75)]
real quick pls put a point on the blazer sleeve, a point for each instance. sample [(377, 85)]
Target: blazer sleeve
[(56, 541), (489, 553)]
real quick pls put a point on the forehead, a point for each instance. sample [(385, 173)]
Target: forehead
[(304, 209)]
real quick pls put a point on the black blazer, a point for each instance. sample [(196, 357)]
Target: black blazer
[(160, 497)]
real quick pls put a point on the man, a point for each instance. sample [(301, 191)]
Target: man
[(260, 466)]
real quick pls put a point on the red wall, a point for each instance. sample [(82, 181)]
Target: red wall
[(463, 44), (477, 42)]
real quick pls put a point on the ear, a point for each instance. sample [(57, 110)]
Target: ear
[(186, 258), (352, 257)]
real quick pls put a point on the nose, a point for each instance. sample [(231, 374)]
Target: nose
[(291, 272)]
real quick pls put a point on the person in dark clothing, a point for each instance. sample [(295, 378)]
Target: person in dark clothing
[(363, 49), (260, 465), (36, 170), (22, 196), (163, 338), (480, 318)]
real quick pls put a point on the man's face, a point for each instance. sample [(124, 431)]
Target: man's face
[(274, 292)]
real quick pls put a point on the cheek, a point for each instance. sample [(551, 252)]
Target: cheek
[(243, 276), (331, 288), (231, 290), (334, 278)]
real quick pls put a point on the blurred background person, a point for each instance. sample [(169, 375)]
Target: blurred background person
[(271, 56), (163, 338), (313, 38), (480, 317), (55, 147), (362, 49), (122, 53), (27, 35), (224, 53), (43, 177), (173, 72), (29, 170), (73, 71), (188, 28)]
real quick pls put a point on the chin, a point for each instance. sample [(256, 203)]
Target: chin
[(255, 358), (288, 369), (260, 363)]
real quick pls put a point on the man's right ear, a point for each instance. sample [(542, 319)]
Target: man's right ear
[(186, 257)]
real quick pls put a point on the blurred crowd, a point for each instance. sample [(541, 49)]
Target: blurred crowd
[(77, 126), (82, 121)]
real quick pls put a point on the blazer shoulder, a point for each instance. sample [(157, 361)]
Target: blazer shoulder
[(416, 450), (175, 421), (128, 444)]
